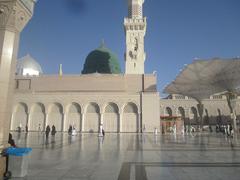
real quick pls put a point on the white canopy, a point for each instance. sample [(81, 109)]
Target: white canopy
[(203, 78)]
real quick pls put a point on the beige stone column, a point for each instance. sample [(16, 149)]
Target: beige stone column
[(101, 121), (28, 121), (82, 121), (139, 122), (14, 14), (45, 121), (10, 127), (64, 121), (119, 122)]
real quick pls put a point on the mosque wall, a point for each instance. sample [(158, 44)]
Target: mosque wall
[(122, 103), (118, 112), (150, 111), (87, 83), (215, 110)]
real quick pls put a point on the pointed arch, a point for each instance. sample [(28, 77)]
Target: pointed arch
[(55, 116), (181, 112), (111, 118), (73, 116), (37, 116), (91, 122), (194, 115), (130, 121), (19, 116), (169, 111)]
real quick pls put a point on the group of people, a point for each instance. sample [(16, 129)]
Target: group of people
[(48, 130), (72, 130), (19, 128), (225, 129)]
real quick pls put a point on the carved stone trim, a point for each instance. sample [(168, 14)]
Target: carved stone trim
[(13, 15)]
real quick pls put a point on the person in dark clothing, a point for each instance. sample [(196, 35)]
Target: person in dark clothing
[(210, 129), (47, 131), (53, 130), (103, 132), (11, 141), (19, 129), (26, 128), (231, 130), (70, 130)]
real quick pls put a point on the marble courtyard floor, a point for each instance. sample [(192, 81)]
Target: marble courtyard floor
[(132, 157)]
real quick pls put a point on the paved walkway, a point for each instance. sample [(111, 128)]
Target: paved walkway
[(132, 157)]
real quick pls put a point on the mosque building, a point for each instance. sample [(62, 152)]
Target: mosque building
[(102, 94)]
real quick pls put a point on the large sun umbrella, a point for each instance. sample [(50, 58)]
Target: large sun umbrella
[(203, 78)]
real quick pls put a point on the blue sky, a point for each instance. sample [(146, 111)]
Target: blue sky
[(65, 31)]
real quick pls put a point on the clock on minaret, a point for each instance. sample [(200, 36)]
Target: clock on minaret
[(135, 29)]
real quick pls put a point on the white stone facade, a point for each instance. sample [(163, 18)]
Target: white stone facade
[(216, 110), (14, 15), (122, 103)]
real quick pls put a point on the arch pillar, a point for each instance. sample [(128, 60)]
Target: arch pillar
[(28, 121), (11, 124), (100, 120), (83, 115), (139, 122), (44, 121), (64, 120), (120, 116), (80, 123)]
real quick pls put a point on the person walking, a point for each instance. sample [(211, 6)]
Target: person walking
[(231, 130), (39, 128), (228, 130), (47, 131), (26, 128), (11, 141), (74, 131), (103, 132), (53, 130), (70, 130)]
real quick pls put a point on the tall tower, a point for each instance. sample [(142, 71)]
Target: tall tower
[(135, 30)]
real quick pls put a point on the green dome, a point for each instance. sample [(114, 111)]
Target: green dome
[(103, 61)]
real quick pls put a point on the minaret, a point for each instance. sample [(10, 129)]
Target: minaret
[(135, 29)]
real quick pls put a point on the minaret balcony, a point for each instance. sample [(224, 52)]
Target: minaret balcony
[(140, 21)]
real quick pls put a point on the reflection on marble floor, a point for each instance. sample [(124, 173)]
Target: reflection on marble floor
[(131, 157)]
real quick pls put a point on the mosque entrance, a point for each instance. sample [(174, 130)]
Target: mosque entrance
[(36, 119)]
